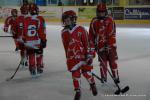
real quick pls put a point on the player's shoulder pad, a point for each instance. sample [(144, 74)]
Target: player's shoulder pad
[(110, 18), (82, 28), (64, 30), (40, 18), (20, 17), (94, 19), (10, 17)]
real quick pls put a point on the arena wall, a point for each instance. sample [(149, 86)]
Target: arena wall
[(122, 15)]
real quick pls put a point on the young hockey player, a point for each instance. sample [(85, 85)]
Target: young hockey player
[(34, 37), (102, 34), (78, 53), (20, 27), (11, 22)]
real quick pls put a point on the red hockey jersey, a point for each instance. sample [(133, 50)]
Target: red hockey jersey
[(10, 21), (76, 46), (34, 31), (102, 33)]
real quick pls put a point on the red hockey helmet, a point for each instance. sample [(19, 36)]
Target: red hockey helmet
[(24, 9), (14, 12), (34, 9), (69, 14), (101, 11), (101, 7)]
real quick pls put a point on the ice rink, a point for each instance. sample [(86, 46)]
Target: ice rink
[(56, 82)]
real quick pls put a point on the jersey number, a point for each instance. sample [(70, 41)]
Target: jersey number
[(32, 30)]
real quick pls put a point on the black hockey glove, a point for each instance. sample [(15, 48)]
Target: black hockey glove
[(38, 51), (43, 43)]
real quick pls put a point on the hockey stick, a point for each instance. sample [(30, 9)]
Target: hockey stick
[(100, 79), (8, 79), (6, 36), (97, 77), (117, 92)]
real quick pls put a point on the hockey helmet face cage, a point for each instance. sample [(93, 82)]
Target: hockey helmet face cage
[(34, 10), (69, 18), (24, 9), (101, 10), (14, 12)]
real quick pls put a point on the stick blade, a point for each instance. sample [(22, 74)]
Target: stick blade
[(8, 79), (117, 92), (125, 89)]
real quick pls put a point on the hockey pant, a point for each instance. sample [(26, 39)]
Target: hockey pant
[(35, 60), (76, 76), (105, 59)]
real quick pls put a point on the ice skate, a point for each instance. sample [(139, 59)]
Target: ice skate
[(39, 71), (33, 73), (77, 95), (94, 89)]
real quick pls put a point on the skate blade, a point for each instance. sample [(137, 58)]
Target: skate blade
[(39, 75), (34, 76)]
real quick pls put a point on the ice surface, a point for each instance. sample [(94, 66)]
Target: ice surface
[(56, 82)]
